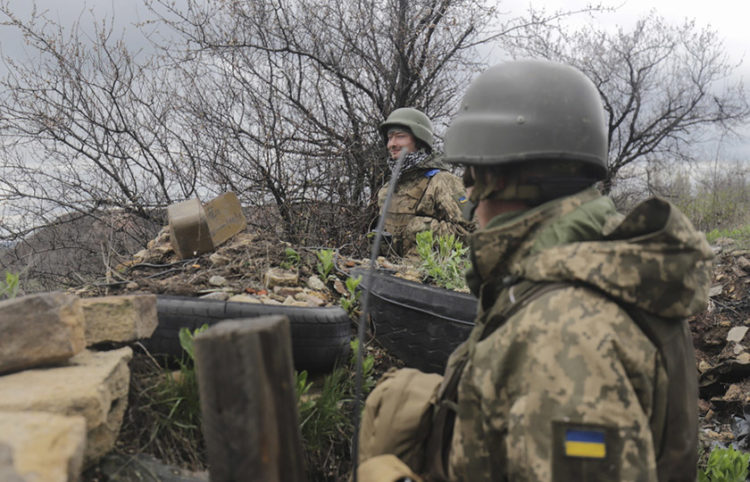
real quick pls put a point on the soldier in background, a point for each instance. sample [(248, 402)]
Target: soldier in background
[(580, 365), (427, 196)]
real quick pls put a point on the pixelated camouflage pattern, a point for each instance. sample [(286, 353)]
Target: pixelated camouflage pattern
[(422, 203), (572, 355)]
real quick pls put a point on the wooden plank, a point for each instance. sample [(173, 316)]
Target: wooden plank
[(246, 383)]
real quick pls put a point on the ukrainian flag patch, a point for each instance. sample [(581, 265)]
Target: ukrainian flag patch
[(462, 200), (585, 443), (585, 451)]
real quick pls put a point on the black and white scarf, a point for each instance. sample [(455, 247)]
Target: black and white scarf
[(412, 160)]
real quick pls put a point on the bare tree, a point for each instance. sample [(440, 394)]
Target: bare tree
[(85, 130), (277, 100), (295, 91), (663, 86)]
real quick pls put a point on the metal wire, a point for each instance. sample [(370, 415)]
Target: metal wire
[(365, 305)]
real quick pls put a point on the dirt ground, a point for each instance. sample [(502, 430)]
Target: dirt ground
[(721, 344), (720, 334)]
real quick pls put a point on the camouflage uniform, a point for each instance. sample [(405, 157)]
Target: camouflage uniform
[(427, 197), (572, 358)]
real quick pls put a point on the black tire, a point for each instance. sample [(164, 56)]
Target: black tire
[(320, 336), (419, 324)]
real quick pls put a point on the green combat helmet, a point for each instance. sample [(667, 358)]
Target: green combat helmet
[(416, 121), (530, 110)]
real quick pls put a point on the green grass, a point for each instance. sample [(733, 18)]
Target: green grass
[(164, 417)]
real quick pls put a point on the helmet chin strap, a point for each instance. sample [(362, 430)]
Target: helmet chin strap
[(365, 305)]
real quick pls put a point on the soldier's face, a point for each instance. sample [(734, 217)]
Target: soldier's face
[(397, 140), (489, 208)]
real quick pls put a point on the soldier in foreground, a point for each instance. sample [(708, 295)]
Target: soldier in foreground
[(427, 196), (580, 366)]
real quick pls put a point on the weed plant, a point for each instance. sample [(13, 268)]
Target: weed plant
[(164, 417), (9, 287), (725, 465), (326, 421), (292, 259), (325, 263), (444, 260), (350, 302)]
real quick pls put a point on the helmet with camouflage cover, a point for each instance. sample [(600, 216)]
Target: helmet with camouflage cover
[(530, 110), (418, 123)]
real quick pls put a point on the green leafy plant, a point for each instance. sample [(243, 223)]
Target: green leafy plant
[(186, 340), (350, 302), (325, 414), (179, 390), (325, 263), (9, 287), (443, 259), (292, 260), (368, 365), (725, 465)]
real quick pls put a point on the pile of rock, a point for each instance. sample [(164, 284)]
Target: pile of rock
[(61, 400)]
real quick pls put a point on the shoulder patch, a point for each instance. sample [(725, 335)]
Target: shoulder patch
[(462, 200), (431, 172), (585, 452)]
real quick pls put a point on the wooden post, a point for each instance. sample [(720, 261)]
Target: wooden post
[(246, 383)]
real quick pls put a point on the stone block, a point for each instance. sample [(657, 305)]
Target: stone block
[(92, 384), (40, 329), (119, 318), (280, 277), (42, 447)]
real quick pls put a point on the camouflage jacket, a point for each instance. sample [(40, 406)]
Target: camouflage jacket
[(427, 197), (569, 380)]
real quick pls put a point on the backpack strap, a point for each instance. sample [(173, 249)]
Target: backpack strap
[(517, 296), (674, 424)]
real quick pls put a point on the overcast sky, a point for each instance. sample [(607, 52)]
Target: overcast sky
[(729, 17)]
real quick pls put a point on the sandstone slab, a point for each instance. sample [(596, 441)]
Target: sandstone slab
[(93, 385), (119, 318), (245, 299), (280, 277), (40, 329), (43, 447)]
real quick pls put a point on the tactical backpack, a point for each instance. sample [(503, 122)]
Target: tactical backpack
[(674, 426)]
